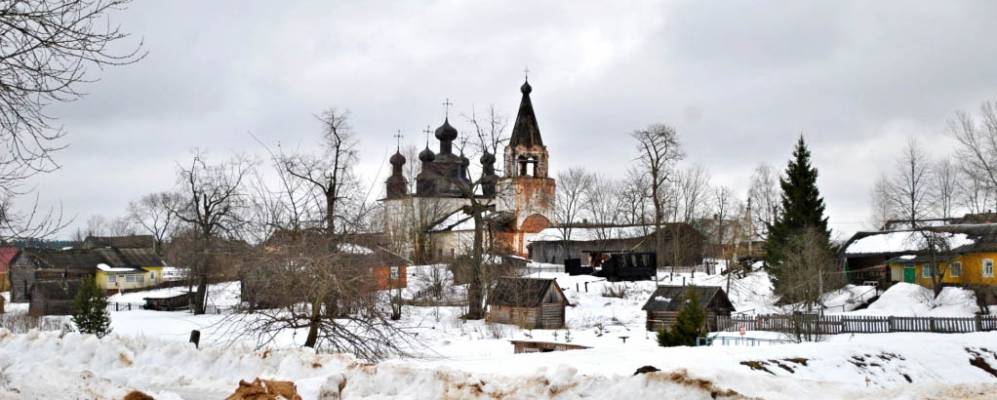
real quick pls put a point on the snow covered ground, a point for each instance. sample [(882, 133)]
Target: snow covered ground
[(896, 366), (452, 358)]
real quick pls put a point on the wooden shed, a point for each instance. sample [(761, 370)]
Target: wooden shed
[(530, 303), (666, 302), (53, 297)]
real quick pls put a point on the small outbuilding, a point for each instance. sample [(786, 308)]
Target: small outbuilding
[(666, 302), (530, 303), (53, 297)]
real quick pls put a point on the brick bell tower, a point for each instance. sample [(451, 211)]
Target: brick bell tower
[(525, 190)]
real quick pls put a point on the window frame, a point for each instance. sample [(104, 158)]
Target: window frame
[(952, 269), (983, 269), (926, 270), (394, 272)]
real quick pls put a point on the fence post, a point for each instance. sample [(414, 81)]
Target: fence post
[(931, 324), (979, 323), (890, 322)]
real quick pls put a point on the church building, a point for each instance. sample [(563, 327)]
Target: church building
[(431, 224)]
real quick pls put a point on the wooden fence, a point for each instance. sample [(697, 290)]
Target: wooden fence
[(837, 324)]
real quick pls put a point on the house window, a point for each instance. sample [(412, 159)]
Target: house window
[(134, 278), (956, 269), (112, 278), (926, 270), (988, 268), (394, 273)]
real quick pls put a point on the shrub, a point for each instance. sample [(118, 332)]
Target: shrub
[(689, 325), (90, 310), (615, 290)]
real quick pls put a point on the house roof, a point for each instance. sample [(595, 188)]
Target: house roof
[(129, 242), (671, 298), (7, 255), (897, 242), (520, 292), (74, 259)]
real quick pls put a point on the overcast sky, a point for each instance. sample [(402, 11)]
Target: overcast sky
[(738, 80)]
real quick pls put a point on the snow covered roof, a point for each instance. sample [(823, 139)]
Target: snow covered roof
[(593, 233), (899, 242), (108, 268), (354, 249)]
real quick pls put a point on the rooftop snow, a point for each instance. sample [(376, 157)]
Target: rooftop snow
[(108, 268), (899, 242)]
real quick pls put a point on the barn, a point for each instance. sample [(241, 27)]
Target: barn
[(530, 303), (665, 303)]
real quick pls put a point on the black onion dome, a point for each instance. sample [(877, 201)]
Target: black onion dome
[(526, 88), (464, 161), (397, 159), (426, 155), (487, 158), (446, 132)]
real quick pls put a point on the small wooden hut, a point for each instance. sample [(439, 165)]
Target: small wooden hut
[(666, 302), (53, 297), (530, 303)]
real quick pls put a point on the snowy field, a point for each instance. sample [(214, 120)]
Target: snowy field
[(452, 358)]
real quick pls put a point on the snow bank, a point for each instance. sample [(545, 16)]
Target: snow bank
[(910, 300), (43, 365)]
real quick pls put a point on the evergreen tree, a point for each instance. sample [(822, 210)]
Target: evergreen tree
[(90, 309), (689, 324), (802, 208)]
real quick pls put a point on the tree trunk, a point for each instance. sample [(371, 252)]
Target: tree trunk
[(201, 295), (313, 324), (475, 296)]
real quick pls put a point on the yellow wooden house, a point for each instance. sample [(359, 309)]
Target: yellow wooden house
[(128, 268), (971, 264)]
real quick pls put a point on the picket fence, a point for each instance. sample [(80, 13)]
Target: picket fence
[(837, 324)]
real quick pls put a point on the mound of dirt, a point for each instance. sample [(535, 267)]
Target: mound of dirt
[(263, 389)]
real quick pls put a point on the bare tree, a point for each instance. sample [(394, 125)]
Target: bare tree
[(936, 249), (763, 199), (658, 151), (633, 198), (489, 138), (305, 277), (944, 188), (152, 213), (909, 187), (330, 172), (571, 189), (882, 209), (693, 190), (973, 193), (977, 136), (48, 47), (212, 200), (813, 270), (601, 205)]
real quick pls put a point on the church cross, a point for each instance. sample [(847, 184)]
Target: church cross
[(526, 73), (427, 131), (398, 140), (447, 104)]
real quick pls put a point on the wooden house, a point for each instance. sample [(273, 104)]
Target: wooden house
[(128, 268), (53, 297), (530, 303), (34, 265), (7, 255), (685, 244), (665, 303)]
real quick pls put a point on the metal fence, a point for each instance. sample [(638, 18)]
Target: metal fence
[(837, 324), (118, 307)]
